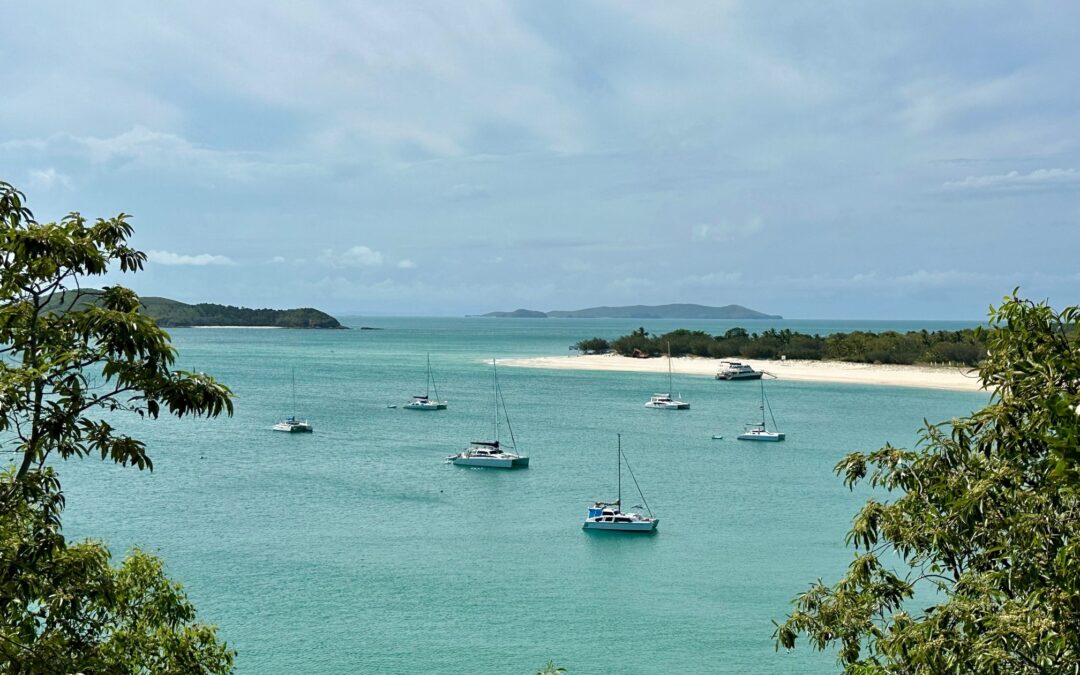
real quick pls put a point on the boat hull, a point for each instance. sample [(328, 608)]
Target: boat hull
[(741, 376), (492, 462), (668, 406), (645, 526), (425, 406), (773, 438), (293, 429)]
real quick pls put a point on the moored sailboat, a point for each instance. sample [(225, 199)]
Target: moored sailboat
[(666, 401), (292, 424), (758, 432), (610, 516), (425, 402), (493, 454)]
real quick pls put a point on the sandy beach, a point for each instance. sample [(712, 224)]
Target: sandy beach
[(926, 377)]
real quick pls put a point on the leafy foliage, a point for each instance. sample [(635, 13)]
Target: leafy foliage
[(66, 364), (986, 526), (64, 609), (963, 347), (59, 367)]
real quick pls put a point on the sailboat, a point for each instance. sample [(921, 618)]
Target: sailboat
[(493, 454), (665, 401), (609, 515), (291, 424), (758, 432), (425, 402)]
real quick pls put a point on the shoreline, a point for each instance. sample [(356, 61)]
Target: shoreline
[(951, 378)]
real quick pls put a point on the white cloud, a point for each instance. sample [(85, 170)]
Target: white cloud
[(357, 256), (1040, 179), (406, 264), (467, 191), (46, 179), (727, 230), (200, 260), (277, 260)]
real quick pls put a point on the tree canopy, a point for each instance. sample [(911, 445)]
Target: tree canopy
[(974, 566), (65, 368)]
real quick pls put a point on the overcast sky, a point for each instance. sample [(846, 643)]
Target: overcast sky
[(816, 160)]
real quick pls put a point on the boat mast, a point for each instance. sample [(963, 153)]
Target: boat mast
[(762, 406), (618, 502), (427, 394), (294, 391), (495, 396), (669, 387)]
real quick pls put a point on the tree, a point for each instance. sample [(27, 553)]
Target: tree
[(64, 365), (975, 566), (551, 668)]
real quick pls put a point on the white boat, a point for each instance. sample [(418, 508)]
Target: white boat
[(291, 424), (609, 515), (425, 402), (493, 454), (666, 401), (758, 432), (733, 370)]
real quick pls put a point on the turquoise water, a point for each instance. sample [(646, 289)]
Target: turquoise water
[(357, 549)]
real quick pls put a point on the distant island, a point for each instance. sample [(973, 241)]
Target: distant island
[(677, 311), (175, 314)]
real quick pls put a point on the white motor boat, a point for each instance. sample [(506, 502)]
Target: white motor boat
[(666, 401), (609, 515), (492, 454), (757, 431), (425, 402), (733, 370)]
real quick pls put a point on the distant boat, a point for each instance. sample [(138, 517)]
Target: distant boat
[(609, 515), (665, 401), (733, 370), (425, 402), (493, 454), (291, 424), (758, 432)]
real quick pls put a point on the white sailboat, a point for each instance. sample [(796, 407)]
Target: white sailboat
[(291, 424), (665, 401), (493, 454), (758, 432), (609, 515), (425, 402)]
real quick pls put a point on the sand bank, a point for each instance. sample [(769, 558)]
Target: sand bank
[(927, 377)]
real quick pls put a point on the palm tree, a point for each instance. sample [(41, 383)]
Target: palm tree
[(550, 668)]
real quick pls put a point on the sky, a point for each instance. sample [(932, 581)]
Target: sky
[(859, 160)]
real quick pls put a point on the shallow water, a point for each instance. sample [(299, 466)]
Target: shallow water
[(357, 549)]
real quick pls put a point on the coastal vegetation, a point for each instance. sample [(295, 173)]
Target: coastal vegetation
[(174, 314), (966, 347), (967, 558), (64, 607)]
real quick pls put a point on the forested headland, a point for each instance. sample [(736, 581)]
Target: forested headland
[(963, 347)]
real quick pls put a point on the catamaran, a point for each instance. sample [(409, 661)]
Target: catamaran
[(291, 424), (733, 370), (609, 515), (665, 401), (425, 402), (758, 432), (493, 454)]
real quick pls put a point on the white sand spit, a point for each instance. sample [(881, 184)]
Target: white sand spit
[(926, 377)]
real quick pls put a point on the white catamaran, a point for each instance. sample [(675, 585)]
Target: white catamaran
[(425, 402), (609, 515), (758, 432), (291, 424), (493, 454), (665, 401)]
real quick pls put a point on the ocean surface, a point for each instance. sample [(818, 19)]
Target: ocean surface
[(357, 549)]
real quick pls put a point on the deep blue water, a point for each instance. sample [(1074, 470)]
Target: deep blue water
[(357, 549)]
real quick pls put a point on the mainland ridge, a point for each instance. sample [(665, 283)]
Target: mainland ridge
[(676, 311), (175, 314)]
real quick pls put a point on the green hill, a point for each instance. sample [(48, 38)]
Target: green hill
[(676, 311), (174, 314)]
